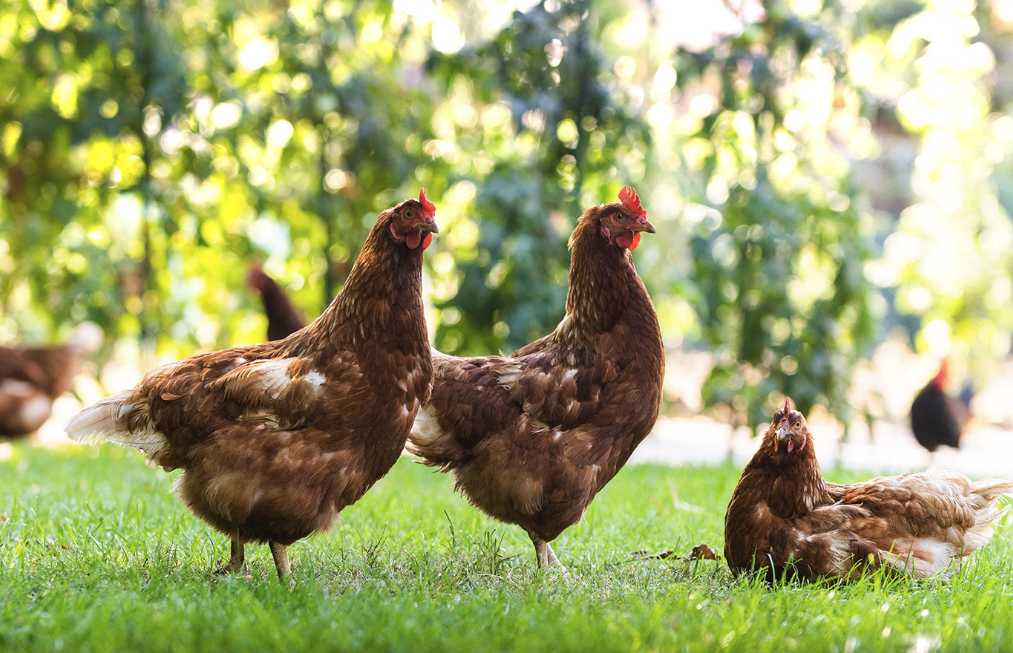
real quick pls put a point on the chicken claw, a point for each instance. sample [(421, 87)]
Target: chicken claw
[(236, 563)]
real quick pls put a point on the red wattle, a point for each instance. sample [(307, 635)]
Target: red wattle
[(425, 241), (628, 240), (413, 239)]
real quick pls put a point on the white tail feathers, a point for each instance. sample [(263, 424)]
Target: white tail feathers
[(106, 421)]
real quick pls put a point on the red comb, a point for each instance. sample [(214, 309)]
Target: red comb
[(428, 208), (787, 404), (631, 200)]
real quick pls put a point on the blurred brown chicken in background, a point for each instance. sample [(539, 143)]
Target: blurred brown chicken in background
[(31, 378), (283, 319)]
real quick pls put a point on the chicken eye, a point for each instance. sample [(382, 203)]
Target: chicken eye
[(619, 217), (408, 213), (798, 424)]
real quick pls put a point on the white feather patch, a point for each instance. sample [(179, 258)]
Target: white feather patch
[(426, 429), (314, 378)]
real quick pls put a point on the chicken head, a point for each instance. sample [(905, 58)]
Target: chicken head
[(622, 222), (790, 429), (414, 222)]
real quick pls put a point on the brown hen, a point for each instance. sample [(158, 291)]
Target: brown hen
[(786, 521), (276, 438), (531, 438), (32, 378)]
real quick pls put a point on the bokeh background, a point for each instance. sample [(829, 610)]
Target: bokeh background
[(832, 181)]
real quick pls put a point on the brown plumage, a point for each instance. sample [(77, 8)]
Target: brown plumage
[(532, 437), (785, 520), (276, 438), (32, 378), (283, 319)]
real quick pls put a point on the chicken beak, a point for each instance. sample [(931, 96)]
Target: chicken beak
[(644, 225), (429, 227), (783, 434)]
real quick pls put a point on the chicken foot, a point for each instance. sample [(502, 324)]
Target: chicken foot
[(280, 554), (237, 560), (547, 557)]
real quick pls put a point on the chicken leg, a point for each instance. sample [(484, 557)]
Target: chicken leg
[(547, 557), (237, 560), (280, 554)]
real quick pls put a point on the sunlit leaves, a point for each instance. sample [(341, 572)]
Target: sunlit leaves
[(780, 291)]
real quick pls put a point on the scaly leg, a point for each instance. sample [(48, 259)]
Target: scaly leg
[(237, 560), (280, 553), (541, 552), (546, 557)]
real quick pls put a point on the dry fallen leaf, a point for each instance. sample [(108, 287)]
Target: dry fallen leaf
[(699, 552), (702, 552)]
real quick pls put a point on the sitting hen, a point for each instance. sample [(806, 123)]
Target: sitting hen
[(786, 520), (276, 438), (531, 438), (32, 378), (283, 319)]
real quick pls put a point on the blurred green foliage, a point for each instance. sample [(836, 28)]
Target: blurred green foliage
[(782, 297), (149, 150)]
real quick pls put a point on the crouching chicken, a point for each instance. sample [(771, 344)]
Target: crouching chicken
[(275, 439), (784, 519), (531, 438)]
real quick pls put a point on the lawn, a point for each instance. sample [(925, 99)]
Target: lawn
[(95, 555)]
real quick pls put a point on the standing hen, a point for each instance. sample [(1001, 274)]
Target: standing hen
[(283, 319), (276, 438), (531, 438), (936, 417), (786, 520), (32, 378)]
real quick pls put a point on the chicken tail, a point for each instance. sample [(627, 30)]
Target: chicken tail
[(428, 440), (984, 495), (119, 420), (436, 447)]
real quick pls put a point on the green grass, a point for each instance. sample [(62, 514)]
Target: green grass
[(95, 555)]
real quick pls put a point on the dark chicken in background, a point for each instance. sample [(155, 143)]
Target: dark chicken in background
[(32, 378), (276, 439), (937, 418), (531, 438), (283, 319), (785, 520)]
